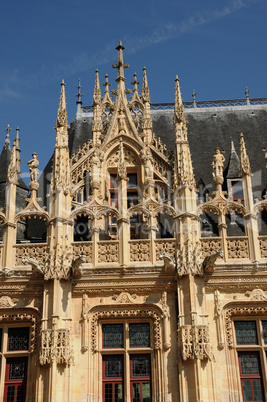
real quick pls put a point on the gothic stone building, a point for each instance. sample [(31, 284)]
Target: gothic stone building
[(141, 275)]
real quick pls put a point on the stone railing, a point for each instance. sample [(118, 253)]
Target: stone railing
[(210, 245), (84, 249), (30, 250), (263, 246), (108, 251), (140, 250), (164, 245), (237, 247)]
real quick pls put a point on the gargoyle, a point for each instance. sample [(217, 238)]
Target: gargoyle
[(209, 261), (37, 266), (76, 265), (169, 263)]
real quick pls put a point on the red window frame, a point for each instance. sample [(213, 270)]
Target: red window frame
[(112, 380), (13, 382), (142, 379), (251, 377)]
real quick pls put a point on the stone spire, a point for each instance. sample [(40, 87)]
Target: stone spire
[(61, 168), (14, 165), (97, 91), (145, 95), (244, 159), (183, 164), (97, 121), (62, 119)]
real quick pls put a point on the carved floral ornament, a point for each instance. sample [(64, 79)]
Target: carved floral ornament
[(219, 205), (94, 210), (151, 208)]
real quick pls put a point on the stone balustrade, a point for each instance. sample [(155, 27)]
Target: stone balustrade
[(36, 251), (263, 246)]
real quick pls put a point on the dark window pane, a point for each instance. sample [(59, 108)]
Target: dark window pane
[(249, 364), (264, 331), (136, 392), (10, 397), (132, 182), (140, 366), (132, 198), (17, 369), (257, 390), (146, 392), (108, 392), (18, 338), (237, 189), (113, 181), (118, 392), (247, 390), (113, 366), (246, 332), (139, 335), (112, 335)]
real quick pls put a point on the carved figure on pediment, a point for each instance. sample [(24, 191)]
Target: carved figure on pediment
[(121, 122), (33, 165), (217, 163)]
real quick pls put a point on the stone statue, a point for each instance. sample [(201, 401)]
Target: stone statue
[(147, 158), (217, 163), (33, 165), (95, 165)]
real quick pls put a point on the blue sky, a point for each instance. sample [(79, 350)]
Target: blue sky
[(216, 47)]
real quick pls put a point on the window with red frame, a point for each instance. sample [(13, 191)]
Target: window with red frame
[(251, 346), (132, 343), (140, 378), (15, 377)]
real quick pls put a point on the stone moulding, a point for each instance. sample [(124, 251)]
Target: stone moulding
[(120, 312), (24, 316)]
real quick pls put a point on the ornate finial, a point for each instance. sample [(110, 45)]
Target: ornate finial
[(244, 159), (145, 89), (79, 94), (135, 83), (247, 96), (16, 143), (62, 117), (8, 129), (120, 66), (106, 84), (7, 140), (97, 91), (122, 171), (194, 98), (217, 164)]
